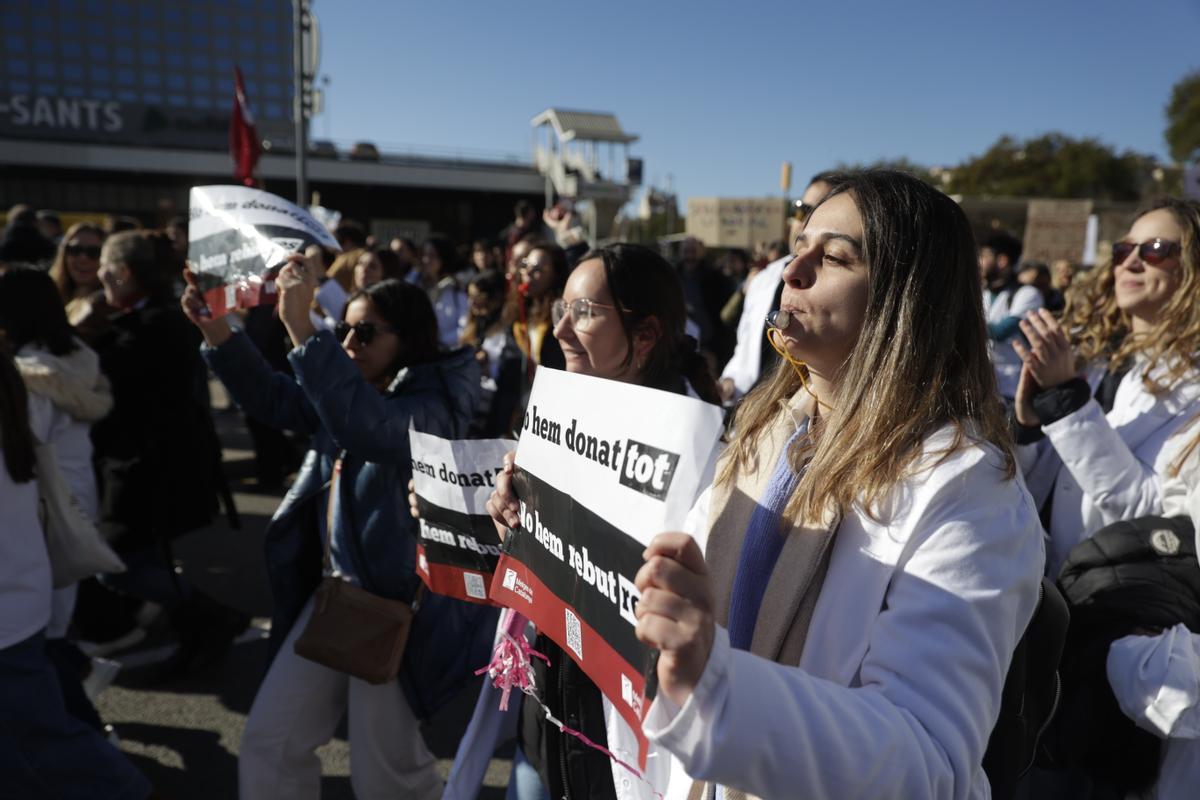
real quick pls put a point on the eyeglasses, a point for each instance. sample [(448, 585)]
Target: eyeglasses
[(364, 331), (91, 251), (580, 310), (802, 210), (528, 266), (1153, 252)]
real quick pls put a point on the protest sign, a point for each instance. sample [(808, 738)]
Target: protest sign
[(238, 238), (458, 546), (1057, 229), (602, 467)]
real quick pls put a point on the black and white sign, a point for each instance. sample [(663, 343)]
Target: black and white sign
[(238, 237), (458, 547), (602, 468)]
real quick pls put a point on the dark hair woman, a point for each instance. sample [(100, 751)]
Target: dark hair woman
[(156, 453), (497, 353), (355, 391), (377, 265), (65, 373), (543, 274), (439, 264), (871, 558), (40, 735), (621, 316)]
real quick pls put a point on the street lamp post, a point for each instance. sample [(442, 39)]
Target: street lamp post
[(301, 23)]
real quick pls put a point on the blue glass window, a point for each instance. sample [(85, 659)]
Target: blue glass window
[(198, 19), (14, 43), (45, 69), (121, 9), (174, 58), (248, 45), (275, 111), (43, 47), (151, 79), (177, 100), (41, 24), (149, 34), (172, 14), (152, 97), (98, 74), (125, 76), (47, 89), (18, 66), (200, 83), (69, 26), (97, 50), (202, 101), (149, 56), (199, 39), (174, 38), (221, 41), (73, 91), (176, 81), (72, 71), (273, 90), (101, 93), (200, 61), (223, 65), (127, 95), (19, 86), (122, 33), (123, 54)]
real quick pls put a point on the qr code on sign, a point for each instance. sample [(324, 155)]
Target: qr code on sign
[(574, 636), (474, 584)]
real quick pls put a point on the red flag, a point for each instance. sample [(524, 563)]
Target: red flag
[(244, 144)]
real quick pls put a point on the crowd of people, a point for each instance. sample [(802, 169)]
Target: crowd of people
[(929, 444)]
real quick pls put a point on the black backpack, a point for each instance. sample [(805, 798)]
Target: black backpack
[(1031, 694), (1131, 576)]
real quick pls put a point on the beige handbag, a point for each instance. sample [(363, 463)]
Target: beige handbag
[(352, 630), (76, 548)]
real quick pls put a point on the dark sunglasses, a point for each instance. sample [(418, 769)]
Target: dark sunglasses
[(802, 209), (91, 251), (364, 331), (1153, 252)]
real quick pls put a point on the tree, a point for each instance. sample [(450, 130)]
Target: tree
[(1183, 119), (1053, 165)]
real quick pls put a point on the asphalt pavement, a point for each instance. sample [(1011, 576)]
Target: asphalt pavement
[(184, 734)]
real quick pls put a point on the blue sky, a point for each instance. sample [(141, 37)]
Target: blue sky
[(722, 92)]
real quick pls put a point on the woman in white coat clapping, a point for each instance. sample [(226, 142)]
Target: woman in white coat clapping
[(871, 556), (1114, 382)]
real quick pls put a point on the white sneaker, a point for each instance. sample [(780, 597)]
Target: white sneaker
[(101, 649), (103, 673)]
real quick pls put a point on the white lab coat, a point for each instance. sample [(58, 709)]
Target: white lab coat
[(998, 307), (910, 641), (1104, 468), (744, 367), (1156, 679)]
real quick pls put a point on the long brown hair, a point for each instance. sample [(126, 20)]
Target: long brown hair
[(1100, 330), (58, 270), (920, 362)]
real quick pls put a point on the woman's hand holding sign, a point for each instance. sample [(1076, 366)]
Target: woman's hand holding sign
[(297, 285), (215, 331), (503, 505), (675, 613)]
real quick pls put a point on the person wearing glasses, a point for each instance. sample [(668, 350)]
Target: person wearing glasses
[(355, 391), (753, 356), (621, 317), (540, 281), (76, 269), (1103, 393)]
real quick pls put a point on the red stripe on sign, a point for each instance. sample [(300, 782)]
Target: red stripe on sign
[(462, 584), (515, 586)]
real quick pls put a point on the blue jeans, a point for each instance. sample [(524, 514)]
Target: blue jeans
[(524, 783), (44, 751)]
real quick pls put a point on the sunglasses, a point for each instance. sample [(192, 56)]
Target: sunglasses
[(364, 331), (580, 309), (1153, 252), (802, 210), (91, 251)]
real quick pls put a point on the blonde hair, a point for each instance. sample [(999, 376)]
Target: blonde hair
[(1100, 330), (58, 270), (920, 362)]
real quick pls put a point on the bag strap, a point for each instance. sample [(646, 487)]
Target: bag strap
[(332, 485)]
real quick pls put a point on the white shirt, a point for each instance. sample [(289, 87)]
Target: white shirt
[(745, 365), (451, 308), (25, 586), (1000, 306)]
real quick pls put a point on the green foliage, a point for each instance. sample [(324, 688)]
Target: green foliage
[(1053, 165), (1183, 119)]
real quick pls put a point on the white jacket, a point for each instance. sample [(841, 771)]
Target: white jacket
[(1104, 468), (79, 395), (744, 367), (1156, 679), (900, 680)]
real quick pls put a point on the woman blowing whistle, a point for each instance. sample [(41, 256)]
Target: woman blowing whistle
[(871, 558)]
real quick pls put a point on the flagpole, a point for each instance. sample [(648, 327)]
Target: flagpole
[(300, 24)]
